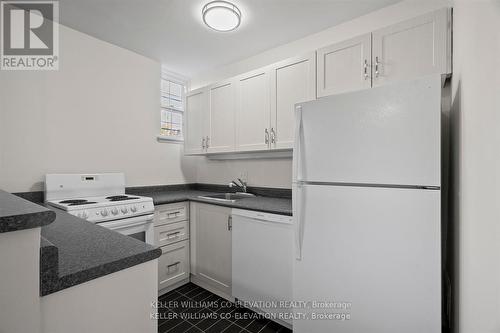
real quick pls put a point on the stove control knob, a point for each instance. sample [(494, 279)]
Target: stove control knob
[(133, 209), (104, 212), (124, 210), (114, 211)]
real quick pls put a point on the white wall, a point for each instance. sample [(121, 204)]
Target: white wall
[(278, 173), (476, 108), (259, 172), (98, 113)]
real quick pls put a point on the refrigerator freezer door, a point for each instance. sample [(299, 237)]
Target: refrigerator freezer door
[(377, 249), (387, 135)]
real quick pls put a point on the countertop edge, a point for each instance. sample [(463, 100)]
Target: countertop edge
[(233, 205), (26, 221), (60, 283)]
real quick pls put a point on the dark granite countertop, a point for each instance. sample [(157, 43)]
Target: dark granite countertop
[(274, 201), (74, 251), (18, 214)]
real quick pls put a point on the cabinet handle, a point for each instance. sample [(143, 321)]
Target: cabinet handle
[(173, 214), (273, 135), (365, 68), (203, 143), (208, 139), (376, 67), (230, 222), (266, 136), (174, 235), (172, 265)]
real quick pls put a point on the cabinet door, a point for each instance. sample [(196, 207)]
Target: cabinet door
[(213, 246), (195, 130), (413, 48), (222, 105), (253, 111), (344, 66), (292, 81)]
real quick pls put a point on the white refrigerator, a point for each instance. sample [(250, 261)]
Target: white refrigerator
[(367, 211)]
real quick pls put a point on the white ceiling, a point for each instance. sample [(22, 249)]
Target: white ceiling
[(172, 31)]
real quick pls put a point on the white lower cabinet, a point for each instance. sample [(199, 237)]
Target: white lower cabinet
[(211, 247), (173, 265), (171, 229)]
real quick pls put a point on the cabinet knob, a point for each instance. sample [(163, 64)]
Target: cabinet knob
[(365, 69), (207, 140), (273, 135), (203, 143), (266, 136)]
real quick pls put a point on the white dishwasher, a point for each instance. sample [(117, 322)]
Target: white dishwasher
[(262, 261)]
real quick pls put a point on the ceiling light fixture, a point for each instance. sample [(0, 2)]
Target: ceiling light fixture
[(221, 15)]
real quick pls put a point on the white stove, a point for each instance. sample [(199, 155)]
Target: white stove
[(100, 209), (101, 198)]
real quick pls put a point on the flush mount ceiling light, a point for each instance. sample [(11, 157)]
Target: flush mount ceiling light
[(221, 15)]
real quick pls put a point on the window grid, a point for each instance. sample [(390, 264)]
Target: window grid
[(172, 108)]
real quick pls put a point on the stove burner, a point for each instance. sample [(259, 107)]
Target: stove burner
[(82, 203), (117, 197), (120, 198), (73, 201)]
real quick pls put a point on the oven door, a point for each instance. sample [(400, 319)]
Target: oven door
[(138, 227)]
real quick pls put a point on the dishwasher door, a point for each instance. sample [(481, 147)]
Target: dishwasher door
[(262, 262)]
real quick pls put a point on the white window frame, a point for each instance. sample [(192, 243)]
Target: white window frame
[(179, 79)]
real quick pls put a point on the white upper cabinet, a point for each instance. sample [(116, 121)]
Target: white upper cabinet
[(344, 66), (196, 120), (413, 48), (292, 81), (253, 111), (222, 110)]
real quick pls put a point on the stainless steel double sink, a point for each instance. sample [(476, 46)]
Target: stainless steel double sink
[(227, 197)]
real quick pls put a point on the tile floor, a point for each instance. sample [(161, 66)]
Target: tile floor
[(193, 309)]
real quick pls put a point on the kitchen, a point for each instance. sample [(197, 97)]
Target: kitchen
[(208, 144)]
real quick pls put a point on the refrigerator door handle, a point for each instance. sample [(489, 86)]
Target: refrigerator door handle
[(298, 220), (297, 143)]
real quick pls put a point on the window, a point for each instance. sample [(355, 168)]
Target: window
[(173, 91)]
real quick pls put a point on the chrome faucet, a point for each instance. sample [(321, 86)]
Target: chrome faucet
[(242, 185)]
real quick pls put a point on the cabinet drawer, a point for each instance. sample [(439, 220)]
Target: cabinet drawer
[(171, 233), (170, 213), (173, 265)]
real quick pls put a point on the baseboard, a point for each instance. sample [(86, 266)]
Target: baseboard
[(197, 281), (172, 287)]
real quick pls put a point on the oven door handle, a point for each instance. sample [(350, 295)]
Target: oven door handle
[(128, 222)]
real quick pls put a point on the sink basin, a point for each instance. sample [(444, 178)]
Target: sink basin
[(227, 197)]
